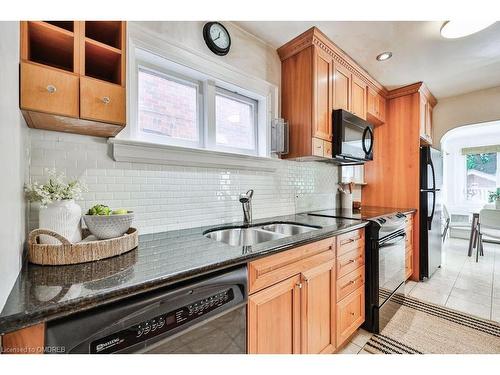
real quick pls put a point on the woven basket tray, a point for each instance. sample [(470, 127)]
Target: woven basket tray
[(81, 252)]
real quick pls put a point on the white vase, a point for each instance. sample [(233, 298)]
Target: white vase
[(62, 217)]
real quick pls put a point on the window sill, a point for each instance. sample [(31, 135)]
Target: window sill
[(152, 153)]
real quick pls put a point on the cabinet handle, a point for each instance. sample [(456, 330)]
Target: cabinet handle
[(106, 100), (299, 285), (51, 89), (352, 313)]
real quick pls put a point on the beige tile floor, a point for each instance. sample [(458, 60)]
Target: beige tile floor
[(460, 284)]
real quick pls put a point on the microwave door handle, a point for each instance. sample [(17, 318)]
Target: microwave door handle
[(363, 141)]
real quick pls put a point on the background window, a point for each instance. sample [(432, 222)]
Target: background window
[(168, 107), (235, 121), (481, 175)]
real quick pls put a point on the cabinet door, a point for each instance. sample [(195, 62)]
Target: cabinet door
[(322, 121), (274, 319), (341, 88), (372, 103), (350, 314), (102, 101), (381, 108), (318, 309), (358, 97), (49, 90), (423, 104), (428, 121)]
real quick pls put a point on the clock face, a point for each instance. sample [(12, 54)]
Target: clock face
[(217, 38)]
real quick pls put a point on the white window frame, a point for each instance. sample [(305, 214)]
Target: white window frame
[(163, 139), (175, 58), (246, 100)]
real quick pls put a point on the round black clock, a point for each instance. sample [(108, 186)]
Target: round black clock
[(217, 38)]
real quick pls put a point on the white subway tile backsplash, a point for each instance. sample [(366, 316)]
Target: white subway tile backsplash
[(173, 197)]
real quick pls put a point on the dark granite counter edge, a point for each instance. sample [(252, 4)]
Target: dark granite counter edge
[(18, 321)]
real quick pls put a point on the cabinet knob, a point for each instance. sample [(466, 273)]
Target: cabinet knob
[(51, 89), (299, 285), (106, 100), (352, 313)]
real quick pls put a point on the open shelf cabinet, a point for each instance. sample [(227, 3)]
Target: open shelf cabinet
[(76, 70)]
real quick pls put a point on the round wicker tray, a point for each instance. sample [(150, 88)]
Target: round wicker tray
[(81, 252)]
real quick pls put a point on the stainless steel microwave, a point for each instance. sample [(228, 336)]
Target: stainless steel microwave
[(352, 138)]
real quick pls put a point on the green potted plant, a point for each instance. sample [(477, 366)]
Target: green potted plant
[(58, 210), (494, 196)]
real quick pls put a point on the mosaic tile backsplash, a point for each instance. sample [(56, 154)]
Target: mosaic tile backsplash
[(167, 197)]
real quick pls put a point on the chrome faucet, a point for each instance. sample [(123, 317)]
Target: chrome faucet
[(246, 202)]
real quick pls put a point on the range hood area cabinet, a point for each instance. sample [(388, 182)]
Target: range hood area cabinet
[(317, 78), (393, 177), (72, 76)]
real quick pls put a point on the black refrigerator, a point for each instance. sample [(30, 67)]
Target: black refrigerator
[(431, 181)]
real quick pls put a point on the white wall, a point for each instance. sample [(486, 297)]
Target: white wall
[(472, 108), (13, 138)]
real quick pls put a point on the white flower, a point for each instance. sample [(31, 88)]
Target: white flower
[(55, 189)]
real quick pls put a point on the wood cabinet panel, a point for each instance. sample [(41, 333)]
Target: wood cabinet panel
[(350, 241), (350, 261), (350, 315), (375, 107), (29, 340), (327, 149), (322, 96), (274, 319), (409, 263), (341, 88), (358, 97), (102, 101), (318, 147), (318, 307), (350, 282), (48, 90), (274, 268)]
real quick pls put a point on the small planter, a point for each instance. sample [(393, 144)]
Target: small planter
[(62, 217)]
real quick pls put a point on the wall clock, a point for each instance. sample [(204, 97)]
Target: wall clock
[(217, 38)]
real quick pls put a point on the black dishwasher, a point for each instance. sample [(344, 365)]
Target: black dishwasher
[(205, 315)]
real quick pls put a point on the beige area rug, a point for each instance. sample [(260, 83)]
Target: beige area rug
[(423, 328)]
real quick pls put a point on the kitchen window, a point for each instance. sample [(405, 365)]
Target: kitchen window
[(183, 107), (169, 108), (482, 171)]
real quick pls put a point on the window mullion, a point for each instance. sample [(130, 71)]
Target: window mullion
[(209, 114)]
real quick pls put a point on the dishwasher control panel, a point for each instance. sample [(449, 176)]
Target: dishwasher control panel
[(160, 324)]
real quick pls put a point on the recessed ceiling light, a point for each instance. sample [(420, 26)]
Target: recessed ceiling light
[(459, 29), (384, 56)]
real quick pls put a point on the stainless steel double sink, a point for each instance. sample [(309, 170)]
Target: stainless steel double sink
[(247, 236)]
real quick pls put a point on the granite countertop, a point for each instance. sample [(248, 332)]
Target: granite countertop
[(43, 293)]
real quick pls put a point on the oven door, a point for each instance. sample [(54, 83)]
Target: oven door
[(391, 264)]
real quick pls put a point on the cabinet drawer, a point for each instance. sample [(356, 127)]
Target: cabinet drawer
[(49, 90), (350, 241), (350, 261), (274, 268), (350, 314), (327, 149), (409, 239), (102, 101), (317, 147), (350, 282)]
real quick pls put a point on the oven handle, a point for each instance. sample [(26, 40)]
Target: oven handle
[(393, 240)]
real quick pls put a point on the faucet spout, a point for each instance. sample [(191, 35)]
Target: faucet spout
[(246, 202)]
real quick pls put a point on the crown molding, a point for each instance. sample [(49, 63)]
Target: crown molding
[(418, 87)]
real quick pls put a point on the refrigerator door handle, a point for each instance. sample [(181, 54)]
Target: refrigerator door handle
[(430, 218), (433, 174)]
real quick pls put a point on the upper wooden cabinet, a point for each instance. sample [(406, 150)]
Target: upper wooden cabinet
[(318, 77), (376, 107), (358, 97), (426, 107), (73, 76)]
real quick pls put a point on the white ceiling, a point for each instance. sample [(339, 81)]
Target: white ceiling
[(449, 67)]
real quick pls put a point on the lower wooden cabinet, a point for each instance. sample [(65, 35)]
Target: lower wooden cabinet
[(318, 309), (299, 304), (350, 314), (274, 318)]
